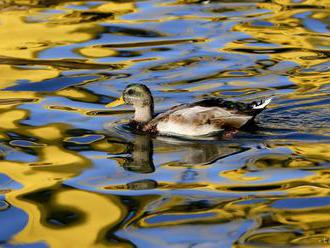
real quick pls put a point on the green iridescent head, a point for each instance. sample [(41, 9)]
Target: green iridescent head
[(141, 98)]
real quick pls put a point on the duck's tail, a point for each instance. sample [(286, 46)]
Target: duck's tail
[(254, 109), (258, 106), (261, 104)]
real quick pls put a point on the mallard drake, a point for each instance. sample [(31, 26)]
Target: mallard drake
[(202, 118)]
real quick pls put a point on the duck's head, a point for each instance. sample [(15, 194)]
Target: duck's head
[(140, 97), (134, 94)]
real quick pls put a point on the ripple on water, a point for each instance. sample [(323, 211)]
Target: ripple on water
[(68, 165)]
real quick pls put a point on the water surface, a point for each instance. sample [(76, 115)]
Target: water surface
[(72, 176)]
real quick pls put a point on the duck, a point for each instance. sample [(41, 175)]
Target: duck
[(207, 117)]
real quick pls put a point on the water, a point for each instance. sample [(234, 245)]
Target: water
[(72, 176)]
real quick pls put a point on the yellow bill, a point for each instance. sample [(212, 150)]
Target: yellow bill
[(115, 103)]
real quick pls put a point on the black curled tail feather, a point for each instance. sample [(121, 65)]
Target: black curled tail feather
[(258, 106), (252, 108)]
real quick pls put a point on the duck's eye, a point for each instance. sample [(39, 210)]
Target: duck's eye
[(130, 92)]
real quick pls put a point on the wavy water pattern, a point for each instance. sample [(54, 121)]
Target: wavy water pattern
[(73, 175)]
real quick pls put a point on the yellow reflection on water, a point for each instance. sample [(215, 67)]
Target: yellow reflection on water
[(297, 43), (117, 8), (22, 38), (97, 212), (54, 165), (9, 75), (29, 30), (96, 52)]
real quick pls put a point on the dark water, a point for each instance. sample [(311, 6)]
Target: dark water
[(72, 176)]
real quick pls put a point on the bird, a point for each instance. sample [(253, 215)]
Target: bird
[(207, 117)]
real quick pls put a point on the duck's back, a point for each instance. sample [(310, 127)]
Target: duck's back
[(205, 117)]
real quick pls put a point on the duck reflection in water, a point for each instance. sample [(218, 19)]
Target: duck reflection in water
[(141, 152), (184, 155), (141, 161)]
